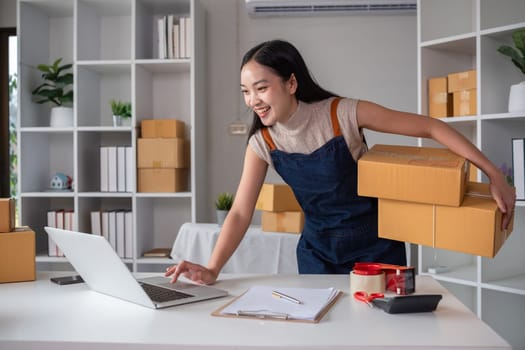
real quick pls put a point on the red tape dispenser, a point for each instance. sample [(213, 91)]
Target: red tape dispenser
[(398, 279)]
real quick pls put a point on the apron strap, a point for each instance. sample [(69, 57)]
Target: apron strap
[(333, 116), (268, 138)]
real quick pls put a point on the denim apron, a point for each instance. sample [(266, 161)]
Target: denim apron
[(340, 226)]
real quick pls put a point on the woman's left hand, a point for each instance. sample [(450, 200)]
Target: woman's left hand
[(505, 197)]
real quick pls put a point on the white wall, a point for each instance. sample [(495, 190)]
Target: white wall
[(366, 57), (7, 13)]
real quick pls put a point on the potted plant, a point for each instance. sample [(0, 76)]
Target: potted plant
[(223, 204), (121, 113), (517, 91), (57, 89)]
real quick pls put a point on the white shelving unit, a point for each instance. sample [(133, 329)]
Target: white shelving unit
[(459, 35), (113, 47)]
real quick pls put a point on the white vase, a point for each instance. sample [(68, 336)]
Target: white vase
[(517, 98), (61, 117), (117, 120), (221, 216)]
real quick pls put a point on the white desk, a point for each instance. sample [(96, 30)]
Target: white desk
[(41, 315), (258, 252)]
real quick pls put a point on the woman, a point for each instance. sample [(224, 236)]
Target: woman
[(313, 139)]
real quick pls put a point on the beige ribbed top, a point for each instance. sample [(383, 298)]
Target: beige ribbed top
[(309, 128)]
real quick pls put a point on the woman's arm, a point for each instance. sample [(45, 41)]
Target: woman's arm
[(378, 118), (234, 227)]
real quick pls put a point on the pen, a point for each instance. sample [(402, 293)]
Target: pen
[(286, 297)]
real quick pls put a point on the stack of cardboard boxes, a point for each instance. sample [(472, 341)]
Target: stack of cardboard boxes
[(453, 95), (280, 210), (425, 198), (163, 156), (17, 246)]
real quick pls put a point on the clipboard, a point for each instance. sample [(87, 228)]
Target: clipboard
[(273, 316)]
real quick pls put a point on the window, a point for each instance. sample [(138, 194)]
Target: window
[(8, 111)]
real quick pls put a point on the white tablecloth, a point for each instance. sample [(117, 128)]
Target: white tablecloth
[(258, 252)]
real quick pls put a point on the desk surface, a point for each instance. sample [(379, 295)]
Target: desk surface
[(42, 315)]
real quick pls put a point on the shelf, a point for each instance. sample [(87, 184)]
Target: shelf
[(47, 194), (46, 129), (165, 65), (514, 285), (163, 195), (464, 44), (463, 274)]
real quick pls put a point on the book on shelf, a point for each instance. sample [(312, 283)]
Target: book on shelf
[(174, 36), (121, 169), (518, 167), (116, 169), (157, 253), (120, 233), (59, 218), (128, 234), (116, 227), (96, 223), (104, 169), (130, 182)]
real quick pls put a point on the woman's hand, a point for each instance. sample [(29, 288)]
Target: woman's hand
[(505, 197), (195, 272)]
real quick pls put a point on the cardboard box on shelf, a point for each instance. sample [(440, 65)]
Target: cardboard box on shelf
[(439, 99), (462, 81), (415, 174), (283, 221), (163, 128), (277, 197), (472, 173), (7, 214), (473, 228), (163, 153), (162, 180), (17, 255), (465, 102)]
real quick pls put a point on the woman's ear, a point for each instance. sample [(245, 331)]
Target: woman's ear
[(292, 84)]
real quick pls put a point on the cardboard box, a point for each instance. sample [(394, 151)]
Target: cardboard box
[(277, 197), (163, 128), (465, 102), (415, 174), (473, 228), (283, 221), (162, 180), (7, 214), (163, 153), (472, 173), (462, 81), (439, 99), (17, 255)]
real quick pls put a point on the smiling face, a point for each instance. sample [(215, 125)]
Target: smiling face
[(271, 98)]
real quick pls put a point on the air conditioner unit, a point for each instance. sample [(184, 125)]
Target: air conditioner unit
[(323, 7)]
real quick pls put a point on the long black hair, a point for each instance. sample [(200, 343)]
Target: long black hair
[(284, 59)]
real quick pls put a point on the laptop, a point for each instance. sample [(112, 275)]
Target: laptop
[(103, 271)]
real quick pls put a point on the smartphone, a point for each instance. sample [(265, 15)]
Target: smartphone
[(67, 280)]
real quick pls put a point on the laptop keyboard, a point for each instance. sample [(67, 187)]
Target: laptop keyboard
[(160, 294)]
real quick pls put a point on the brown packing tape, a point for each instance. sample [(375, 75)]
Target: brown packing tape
[(367, 283)]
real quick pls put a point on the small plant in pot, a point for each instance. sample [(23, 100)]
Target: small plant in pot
[(57, 89), (517, 55), (121, 113), (223, 204)]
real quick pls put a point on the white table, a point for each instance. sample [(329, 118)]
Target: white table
[(258, 252), (41, 315)]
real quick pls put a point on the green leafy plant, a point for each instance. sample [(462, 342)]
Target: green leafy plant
[(224, 201), (517, 56), (57, 88), (122, 109)]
